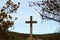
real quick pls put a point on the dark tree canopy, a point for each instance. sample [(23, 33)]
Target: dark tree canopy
[(50, 9), (5, 15)]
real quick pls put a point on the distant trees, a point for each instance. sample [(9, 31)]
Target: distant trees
[(50, 9), (5, 15)]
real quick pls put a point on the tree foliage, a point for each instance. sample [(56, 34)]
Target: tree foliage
[(5, 15), (50, 9)]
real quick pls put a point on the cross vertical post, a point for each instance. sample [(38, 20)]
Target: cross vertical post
[(31, 22)]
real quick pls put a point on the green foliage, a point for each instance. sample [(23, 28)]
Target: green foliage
[(20, 36)]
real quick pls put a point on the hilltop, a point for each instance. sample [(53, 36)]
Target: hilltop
[(22, 36)]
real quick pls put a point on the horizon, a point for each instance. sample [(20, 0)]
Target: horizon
[(24, 13)]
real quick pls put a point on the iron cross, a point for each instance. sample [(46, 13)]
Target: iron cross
[(31, 22)]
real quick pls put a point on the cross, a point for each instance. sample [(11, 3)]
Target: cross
[(31, 22)]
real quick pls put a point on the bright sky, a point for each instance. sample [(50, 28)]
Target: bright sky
[(24, 13)]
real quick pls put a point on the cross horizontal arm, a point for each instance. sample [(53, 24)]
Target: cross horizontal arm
[(30, 21)]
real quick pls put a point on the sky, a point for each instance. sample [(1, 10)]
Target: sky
[(24, 13)]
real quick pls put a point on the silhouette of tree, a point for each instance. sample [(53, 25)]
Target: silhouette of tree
[(5, 15), (48, 9)]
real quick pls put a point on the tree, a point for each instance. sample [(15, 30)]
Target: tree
[(5, 15), (50, 9)]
